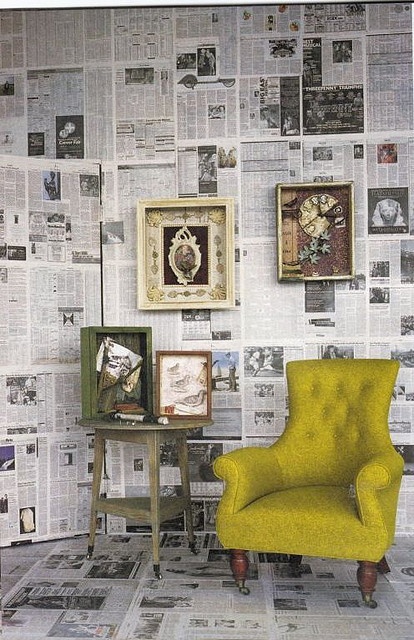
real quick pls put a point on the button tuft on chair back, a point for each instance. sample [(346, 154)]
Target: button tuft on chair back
[(338, 417)]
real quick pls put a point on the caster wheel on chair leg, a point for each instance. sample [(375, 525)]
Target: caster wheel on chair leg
[(370, 603), (243, 589)]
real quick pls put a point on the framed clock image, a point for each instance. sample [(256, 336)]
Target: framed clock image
[(185, 253), (315, 231)]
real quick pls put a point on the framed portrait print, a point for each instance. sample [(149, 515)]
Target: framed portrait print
[(315, 231), (183, 384), (185, 253)]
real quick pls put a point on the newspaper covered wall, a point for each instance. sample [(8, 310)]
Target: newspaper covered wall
[(102, 107)]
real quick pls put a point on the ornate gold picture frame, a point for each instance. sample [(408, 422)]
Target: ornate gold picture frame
[(185, 253), (315, 231)]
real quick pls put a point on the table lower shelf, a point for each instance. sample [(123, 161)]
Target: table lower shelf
[(140, 508)]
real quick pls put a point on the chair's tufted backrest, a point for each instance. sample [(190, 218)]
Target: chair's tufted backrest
[(338, 417)]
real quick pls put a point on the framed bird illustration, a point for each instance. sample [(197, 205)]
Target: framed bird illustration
[(183, 384)]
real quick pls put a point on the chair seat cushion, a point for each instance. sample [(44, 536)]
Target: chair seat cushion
[(315, 520)]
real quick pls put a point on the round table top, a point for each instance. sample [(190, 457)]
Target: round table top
[(175, 424)]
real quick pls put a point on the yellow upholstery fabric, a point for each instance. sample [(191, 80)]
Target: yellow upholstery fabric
[(329, 485)]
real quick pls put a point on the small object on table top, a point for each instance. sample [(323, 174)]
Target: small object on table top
[(130, 417)]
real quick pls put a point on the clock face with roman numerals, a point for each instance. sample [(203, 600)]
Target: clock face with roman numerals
[(317, 213)]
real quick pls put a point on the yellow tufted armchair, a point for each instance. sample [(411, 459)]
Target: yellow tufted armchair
[(328, 487)]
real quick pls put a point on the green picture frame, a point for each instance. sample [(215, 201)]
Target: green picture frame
[(116, 370)]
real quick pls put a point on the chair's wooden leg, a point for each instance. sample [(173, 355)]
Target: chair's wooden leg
[(383, 566), (239, 564), (367, 579)]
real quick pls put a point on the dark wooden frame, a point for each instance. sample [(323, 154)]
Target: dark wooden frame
[(315, 231)]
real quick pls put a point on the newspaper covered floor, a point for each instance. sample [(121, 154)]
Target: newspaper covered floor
[(50, 590)]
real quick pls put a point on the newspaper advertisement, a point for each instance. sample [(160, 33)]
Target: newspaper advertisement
[(56, 128), (332, 81), (333, 109), (333, 312), (196, 324), (388, 210)]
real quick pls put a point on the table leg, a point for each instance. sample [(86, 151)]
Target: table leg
[(153, 443), (98, 457), (185, 483)]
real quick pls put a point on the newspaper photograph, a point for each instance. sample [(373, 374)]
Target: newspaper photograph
[(388, 210), (59, 122)]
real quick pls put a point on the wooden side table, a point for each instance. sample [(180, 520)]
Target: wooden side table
[(154, 509)]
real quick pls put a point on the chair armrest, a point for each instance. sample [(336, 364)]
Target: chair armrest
[(377, 485), (248, 473)]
